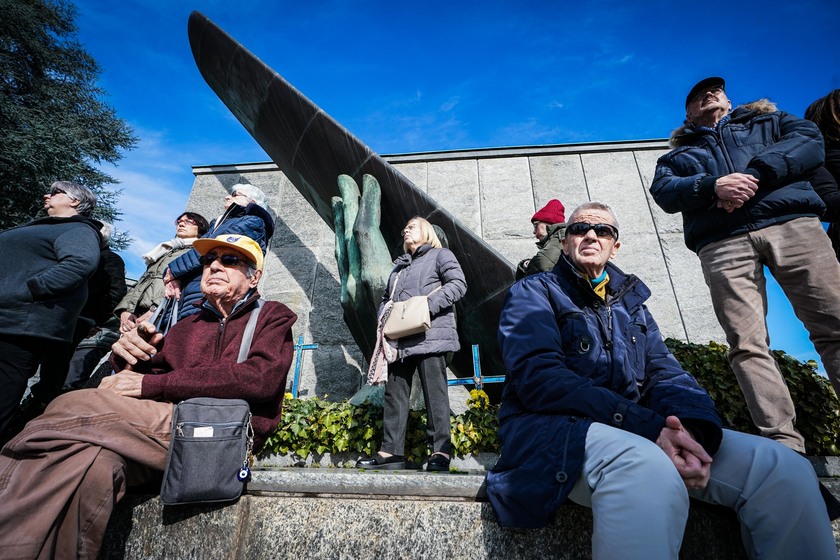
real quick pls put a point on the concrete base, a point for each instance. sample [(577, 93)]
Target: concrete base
[(334, 513)]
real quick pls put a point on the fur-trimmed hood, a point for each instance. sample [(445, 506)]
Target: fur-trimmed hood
[(760, 106)]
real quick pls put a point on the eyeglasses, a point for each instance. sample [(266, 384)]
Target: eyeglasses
[(701, 94), (56, 191), (601, 230), (226, 260), (187, 221)]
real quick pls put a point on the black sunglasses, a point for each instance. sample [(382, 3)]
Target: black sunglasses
[(601, 230), (56, 191), (226, 260)]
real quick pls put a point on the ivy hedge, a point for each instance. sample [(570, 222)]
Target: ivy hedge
[(317, 426), (817, 408)]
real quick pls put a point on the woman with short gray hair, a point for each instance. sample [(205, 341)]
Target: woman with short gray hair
[(43, 286)]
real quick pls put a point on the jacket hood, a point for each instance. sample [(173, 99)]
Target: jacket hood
[(679, 136), (253, 209)]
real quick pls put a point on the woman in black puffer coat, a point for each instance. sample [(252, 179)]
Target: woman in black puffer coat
[(424, 269), (825, 113)]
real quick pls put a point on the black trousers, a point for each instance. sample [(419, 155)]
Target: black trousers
[(432, 370), (20, 357)]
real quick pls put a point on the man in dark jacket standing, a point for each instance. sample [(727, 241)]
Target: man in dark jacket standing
[(598, 410), (62, 476), (43, 286), (739, 180)]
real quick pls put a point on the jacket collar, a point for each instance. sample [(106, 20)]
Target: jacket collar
[(238, 309), (550, 231), (625, 287), (686, 133), (406, 258)]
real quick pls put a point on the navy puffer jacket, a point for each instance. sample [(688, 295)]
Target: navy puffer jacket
[(251, 220), (779, 149), (419, 274), (573, 360)]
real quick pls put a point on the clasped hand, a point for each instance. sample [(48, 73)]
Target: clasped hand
[(688, 456), (134, 346), (734, 190)]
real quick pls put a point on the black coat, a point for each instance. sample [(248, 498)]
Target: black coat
[(43, 280), (826, 181), (779, 149), (105, 288)]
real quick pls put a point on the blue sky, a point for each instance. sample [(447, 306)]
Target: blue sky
[(432, 75)]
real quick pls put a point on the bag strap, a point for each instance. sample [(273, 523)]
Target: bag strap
[(248, 335), (167, 310), (394, 287)]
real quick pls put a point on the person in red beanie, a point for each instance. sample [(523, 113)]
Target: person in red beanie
[(549, 227)]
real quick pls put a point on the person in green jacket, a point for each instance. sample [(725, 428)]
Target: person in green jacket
[(549, 228)]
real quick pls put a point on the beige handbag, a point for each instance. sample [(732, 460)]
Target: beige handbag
[(407, 317)]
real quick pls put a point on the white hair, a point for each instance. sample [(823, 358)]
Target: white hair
[(253, 194)]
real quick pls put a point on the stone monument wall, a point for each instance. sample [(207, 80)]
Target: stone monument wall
[(494, 192)]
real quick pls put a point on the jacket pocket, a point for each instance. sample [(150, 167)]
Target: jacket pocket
[(575, 334), (636, 337)]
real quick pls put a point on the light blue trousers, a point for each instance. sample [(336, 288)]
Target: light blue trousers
[(640, 504)]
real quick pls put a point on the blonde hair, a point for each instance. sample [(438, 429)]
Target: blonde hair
[(427, 233)]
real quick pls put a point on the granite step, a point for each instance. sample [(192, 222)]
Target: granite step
[(348, 513)]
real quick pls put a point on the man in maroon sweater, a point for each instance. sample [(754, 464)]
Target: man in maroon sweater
[(62, 475)]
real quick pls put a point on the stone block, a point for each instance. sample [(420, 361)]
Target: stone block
[(454, 185), (332, 371), (333, 513), (514, 250), (613, 178), (298, 224), (290, 269), (692, 294), (641, 255), (560, 177), (417, 173), (507, 202)]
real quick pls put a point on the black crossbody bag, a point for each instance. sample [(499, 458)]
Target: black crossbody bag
[(211, 445)]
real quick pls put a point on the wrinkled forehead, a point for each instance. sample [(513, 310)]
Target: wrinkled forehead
[(592, 216)]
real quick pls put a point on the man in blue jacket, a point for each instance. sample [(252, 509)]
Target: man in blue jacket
[(739, 179), (597, 410)]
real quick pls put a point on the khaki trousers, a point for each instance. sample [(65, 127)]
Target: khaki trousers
[(799, 255), (62, 475)]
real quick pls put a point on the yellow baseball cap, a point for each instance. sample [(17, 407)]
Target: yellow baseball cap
[(241, 243)]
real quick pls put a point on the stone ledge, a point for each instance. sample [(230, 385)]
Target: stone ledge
[(344, 513), (367, 483), (337, 527)]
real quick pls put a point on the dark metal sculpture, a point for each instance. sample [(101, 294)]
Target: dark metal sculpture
[(312, 150)]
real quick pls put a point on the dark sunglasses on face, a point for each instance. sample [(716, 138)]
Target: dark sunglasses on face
[(226, 260), (601, 230), (54, 192)]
